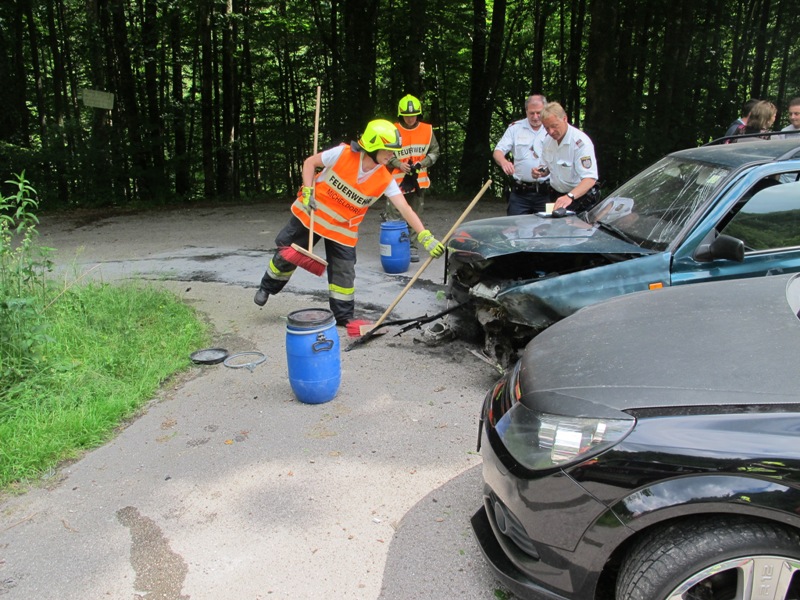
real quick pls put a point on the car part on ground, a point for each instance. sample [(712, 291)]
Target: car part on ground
[(245, 360), (715, 212), (209, 356), (645, 448)]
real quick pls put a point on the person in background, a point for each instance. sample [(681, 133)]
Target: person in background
[(742, 120), (762, 117), (794, 115), (410, 166), (352, 178), (523, 141), (568, 157)]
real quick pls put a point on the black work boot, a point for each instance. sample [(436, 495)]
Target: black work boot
[(261, 297)]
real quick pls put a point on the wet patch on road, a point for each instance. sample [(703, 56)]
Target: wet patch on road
[(160, 572)]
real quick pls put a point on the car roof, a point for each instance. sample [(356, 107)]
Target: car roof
[(736, 155), (723, 343)]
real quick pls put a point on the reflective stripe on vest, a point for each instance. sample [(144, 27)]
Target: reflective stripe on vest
[(415, 146), (342, 201)]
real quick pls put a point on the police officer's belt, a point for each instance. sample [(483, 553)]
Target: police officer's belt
[(532, 186)]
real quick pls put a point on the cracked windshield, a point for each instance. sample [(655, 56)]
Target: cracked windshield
[(652, 208)]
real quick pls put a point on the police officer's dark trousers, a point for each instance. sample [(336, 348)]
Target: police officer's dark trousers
[(528, 198)]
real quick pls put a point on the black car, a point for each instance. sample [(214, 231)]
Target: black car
[(648, 448)]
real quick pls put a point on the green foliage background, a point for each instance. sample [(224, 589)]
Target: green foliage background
[(215, 99)]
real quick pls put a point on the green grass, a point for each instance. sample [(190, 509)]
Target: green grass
[(109, 349)]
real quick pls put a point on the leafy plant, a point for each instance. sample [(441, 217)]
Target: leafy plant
[(23, 284)]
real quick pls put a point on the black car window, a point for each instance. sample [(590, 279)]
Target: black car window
[(769, 218)]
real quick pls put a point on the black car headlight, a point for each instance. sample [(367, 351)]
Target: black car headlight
[(539, 440)]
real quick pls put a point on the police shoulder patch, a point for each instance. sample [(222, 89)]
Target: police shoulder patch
[(586, 162)]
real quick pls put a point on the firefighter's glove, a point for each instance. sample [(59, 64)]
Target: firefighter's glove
[(307, 199), (434, 247)]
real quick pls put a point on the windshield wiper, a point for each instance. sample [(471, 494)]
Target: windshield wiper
[(618, 232)]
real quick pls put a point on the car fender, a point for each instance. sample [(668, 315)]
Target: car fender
[(682, 498), (705, 494), (558, 297)]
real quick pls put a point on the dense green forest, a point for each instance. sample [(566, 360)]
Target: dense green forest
[(215, 99)]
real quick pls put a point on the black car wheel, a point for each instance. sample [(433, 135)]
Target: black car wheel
[(713, 560)]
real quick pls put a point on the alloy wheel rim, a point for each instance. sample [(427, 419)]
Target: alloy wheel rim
[(764, 577)]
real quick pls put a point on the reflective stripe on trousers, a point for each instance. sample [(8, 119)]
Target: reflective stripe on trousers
[(341, 269)]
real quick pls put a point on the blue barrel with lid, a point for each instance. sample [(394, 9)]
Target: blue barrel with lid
[(395, 246), (312, 354)]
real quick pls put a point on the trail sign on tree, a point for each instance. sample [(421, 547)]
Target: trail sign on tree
[(98, 99)]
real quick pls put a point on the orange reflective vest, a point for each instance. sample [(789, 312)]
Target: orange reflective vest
[(415, 146), (342, 201)]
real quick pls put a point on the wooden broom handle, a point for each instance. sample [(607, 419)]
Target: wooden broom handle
[(430, 258), (316, 138), (316, 119)]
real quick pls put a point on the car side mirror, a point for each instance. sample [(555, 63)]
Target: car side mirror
[(724, 246)]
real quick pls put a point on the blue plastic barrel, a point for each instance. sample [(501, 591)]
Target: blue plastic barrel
[(395, 247), (312, 353)]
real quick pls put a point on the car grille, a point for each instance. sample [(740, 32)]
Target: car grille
[(508, 525)]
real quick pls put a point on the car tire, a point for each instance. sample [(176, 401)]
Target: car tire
[(704, 560)]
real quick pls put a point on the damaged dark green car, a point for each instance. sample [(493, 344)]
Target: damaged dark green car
[(721, 211)]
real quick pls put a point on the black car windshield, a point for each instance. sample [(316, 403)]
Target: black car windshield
[(653, 207)]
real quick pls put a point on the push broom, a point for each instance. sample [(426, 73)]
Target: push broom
[(367, 331), (295, 254)]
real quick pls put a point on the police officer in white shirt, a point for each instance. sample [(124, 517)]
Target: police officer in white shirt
[(523, 140), (568, 157)]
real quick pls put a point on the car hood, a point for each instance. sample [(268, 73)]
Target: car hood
[(722, 343), (530, 233)]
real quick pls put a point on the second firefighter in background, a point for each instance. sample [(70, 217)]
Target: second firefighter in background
[(409, 167)]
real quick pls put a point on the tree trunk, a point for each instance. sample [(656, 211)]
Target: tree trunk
[(154, 130), (539, 22), (181, 159), (207, 97), (359, 19), (601, 85), (100, 168), (226, 183), (412, 23), (128, 107), (760, 76), (33, 40), (576, 53), (14, 120), (476, 156), (58, 141)]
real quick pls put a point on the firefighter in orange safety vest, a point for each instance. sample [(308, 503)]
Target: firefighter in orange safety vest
[(410, 166), (352, 177)]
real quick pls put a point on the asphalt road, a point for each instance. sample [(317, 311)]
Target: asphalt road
[(226, 486)]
